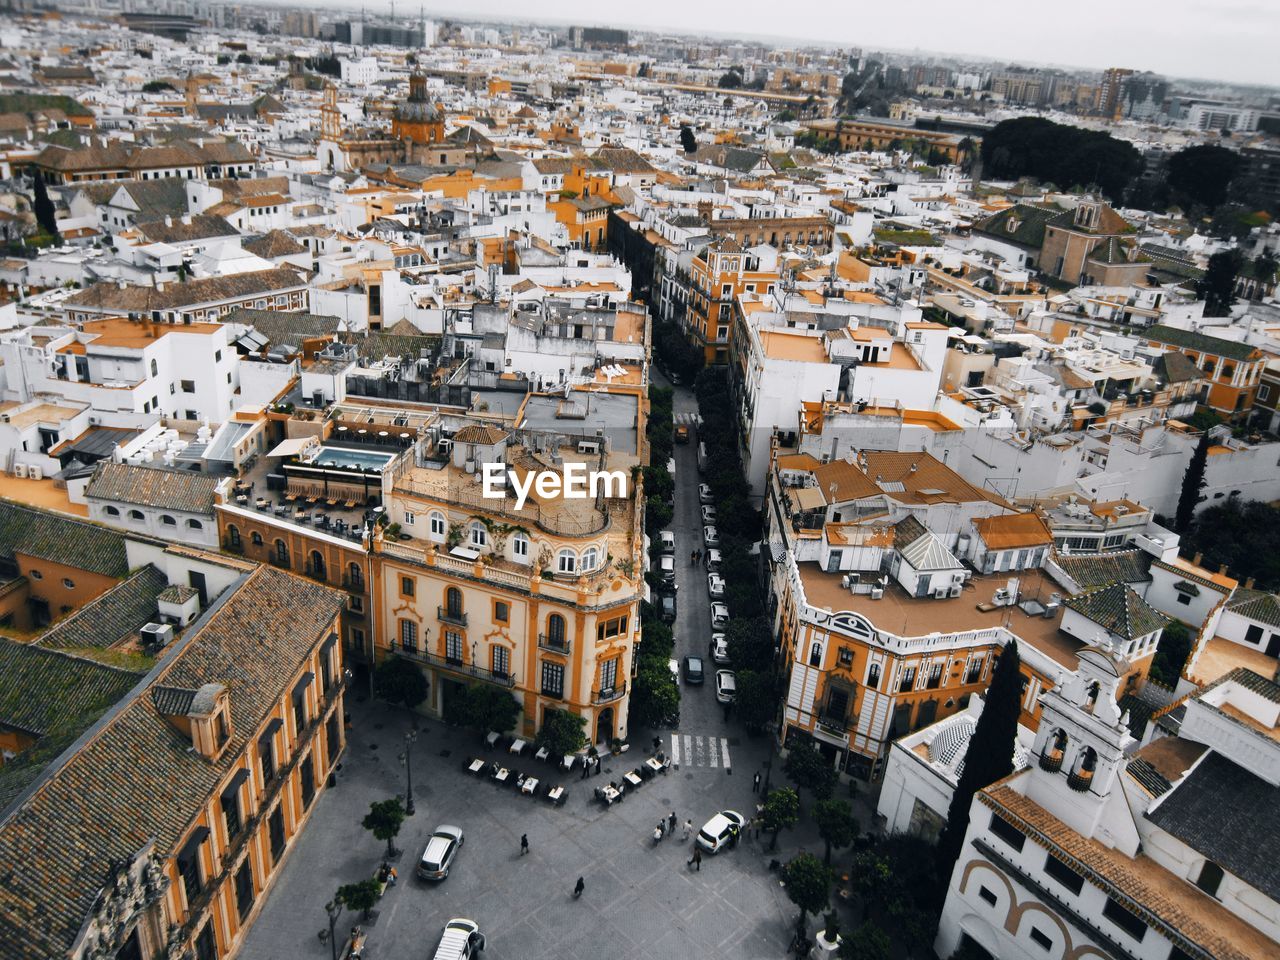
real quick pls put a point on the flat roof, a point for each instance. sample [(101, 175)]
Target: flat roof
[(615, 413), (793, 346)]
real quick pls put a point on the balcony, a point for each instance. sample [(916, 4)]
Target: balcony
[(1052, 761), (456, 617), (610, 695), (449, 665), (554, 644), (1080, 780), (834, 723)]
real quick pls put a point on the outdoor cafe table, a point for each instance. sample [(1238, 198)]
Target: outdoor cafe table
[(653, 765), (502, 775), (530, 784), (631, 778), (542, 753), (610, 795), (555, 794), (491, 739), (476, 765), (517, 747)]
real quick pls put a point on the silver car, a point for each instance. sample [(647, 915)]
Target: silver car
[(442, 847), (711, 536)]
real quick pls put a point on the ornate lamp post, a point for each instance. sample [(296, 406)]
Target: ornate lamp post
[(334, 909), (410, 739)]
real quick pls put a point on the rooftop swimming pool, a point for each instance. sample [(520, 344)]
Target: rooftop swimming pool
[(344, 457)]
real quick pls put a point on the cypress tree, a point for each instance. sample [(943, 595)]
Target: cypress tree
[(42, 207), (1192, 483), (988, 758)]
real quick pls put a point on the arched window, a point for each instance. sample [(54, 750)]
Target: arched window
[(112, 511), (1082, 773), (168, 521), (1091, 696), (1054, 749), (479, 535), (315, 564), (255, 538), (555, 630), (282, 553), (136, 515), (438, 527), (567, 561), (355, 576), (453, 602), (194, 525), (590, 559), (520, 547), (233, 537)]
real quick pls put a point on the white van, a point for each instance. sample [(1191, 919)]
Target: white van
[(461, 940)]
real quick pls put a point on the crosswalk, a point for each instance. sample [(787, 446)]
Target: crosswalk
[(692, 419), (693, 751)]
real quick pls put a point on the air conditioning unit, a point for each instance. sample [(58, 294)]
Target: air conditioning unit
[(588, 446), (156, 636), (445, 444), (35, 472), (956, 589), (846, 581), (95, 421), (877, 593), (19, 469), (941, 593)]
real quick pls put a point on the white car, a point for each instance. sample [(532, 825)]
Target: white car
[(719, 648), (708, 513), (719, 616), (715, 584), (461, 939), (710, 536), (717, 832), (442, 847), (712, 559), (667, 568), (668, 540), (726, 686), (704, 493)]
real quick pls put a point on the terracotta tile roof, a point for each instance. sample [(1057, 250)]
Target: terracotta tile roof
[(116, 614), (1256, 605), (179, 490), (135, 299), (1012, 531), (848, 481), (1092, 570), (1119, 609), (59, 539), (201, 226), (925, 478), (1177, 908), (277, 243), (135, 777), (482, 434)]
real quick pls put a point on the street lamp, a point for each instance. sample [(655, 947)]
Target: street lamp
[(410, 738), (334, 909)]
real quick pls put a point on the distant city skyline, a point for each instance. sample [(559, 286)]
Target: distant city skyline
[(1233, 42)]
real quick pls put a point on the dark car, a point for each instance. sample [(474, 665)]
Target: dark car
[(667, 606), (693, 672)]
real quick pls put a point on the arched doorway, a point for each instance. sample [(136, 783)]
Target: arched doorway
[(604, 725)]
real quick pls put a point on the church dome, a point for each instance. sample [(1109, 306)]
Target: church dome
[(418, 111)]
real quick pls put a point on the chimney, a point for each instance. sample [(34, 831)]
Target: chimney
[(1195, 561), (1222, 569), (168, 220), (1248, 584)]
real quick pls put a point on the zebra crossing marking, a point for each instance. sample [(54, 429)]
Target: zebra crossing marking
[(700, 751)]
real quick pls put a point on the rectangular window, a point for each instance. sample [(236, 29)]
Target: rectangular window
[(846, 657), (552, 680), (611, 628), (231, 813), (406, 586), (1126, 921), (408, 635), (244, 889), (501, 612), (501, 660), (1039, 938), (1007, 832), (307, 773), (188, 386), (267, 757), (608, 675), (873, 676), (409, 518), (206, 945), (1063, 874), (987, 896), (935, 676), (453, 646), (908, 679)]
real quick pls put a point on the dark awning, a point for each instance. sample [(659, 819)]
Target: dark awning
[(239, 777), (198, 836), (271, 728), (328, 644), (300, 687)]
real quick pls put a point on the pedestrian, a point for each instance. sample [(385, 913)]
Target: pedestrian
[(755, 783), (524, 844), (696, 860), (671, 822), (657, 834), (391, 876), (688, 829), (657, 744), (578, 888), (586, 765), (661, 831)]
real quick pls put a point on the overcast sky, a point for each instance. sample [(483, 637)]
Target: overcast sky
[(1235, 40)]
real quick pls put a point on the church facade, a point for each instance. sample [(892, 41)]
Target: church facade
[(417, 124)]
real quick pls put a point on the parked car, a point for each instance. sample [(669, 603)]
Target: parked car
[(719, 616), (682, 433), (726, 686), (667, 607), (442, 847), (704, 493), (710, 536), (668, 541), (461, 939), (715, 584), (674, 666), (719, 648), (717, 832), (712, 559), (693, 672), (674, 377), (708, 513), (667, 568)]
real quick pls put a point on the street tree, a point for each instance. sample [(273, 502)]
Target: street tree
[(756, 701), (836, 823), (399, 681), (384, 820), (867, 942), (808, 884), (1218, 287), (484, 707), (781, 810), (1193, 482), (360, 896), (810, 770), (562, 732), (988, 757), (655, 698), (750, 641)]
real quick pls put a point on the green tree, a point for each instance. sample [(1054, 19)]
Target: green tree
[(756, 702), (362, 896), (383, 820), (1171, 654), (1193, 482), (836, 824), (655, 697), (1201, 176), (750, 640), (687, 140), (809, 769), (988, 757), (43, 209), (483, 707), (156, 86), (399, 681), (1218, 287), (1241, 535), (808, 884), (562, 732), (867, 942), (731, 80), (781, 810)]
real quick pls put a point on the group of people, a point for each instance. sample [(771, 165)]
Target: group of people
[(694, 557), (590, 765), (668, 826), (387, 874)]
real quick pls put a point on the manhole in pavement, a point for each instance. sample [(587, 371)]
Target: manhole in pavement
[(373, 746), (728, 771), (446, 753)]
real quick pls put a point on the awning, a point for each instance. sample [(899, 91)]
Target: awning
[(189, 848), (270, 729), (300, 687), (328, 644), (291, 447), (233, 784)]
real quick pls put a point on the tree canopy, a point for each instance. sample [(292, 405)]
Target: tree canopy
[(687, 140), (43, 207), (1241, 535), (562, 732), (383, 820), (809, 769), (1193, 482), (808, 884), (1060, 154), (1218, 287), (361, 896), (482, 707), (781, 810), (399, 681), (836, 824), (1201, 176)]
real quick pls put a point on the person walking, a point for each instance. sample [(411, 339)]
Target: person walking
[(578, 888), (524, 844), (755, 783), (688, 829), (696, 860), (586, 765), (671, 823)]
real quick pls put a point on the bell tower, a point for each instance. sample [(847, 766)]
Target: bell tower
[(1080, 748), (330, 117)]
